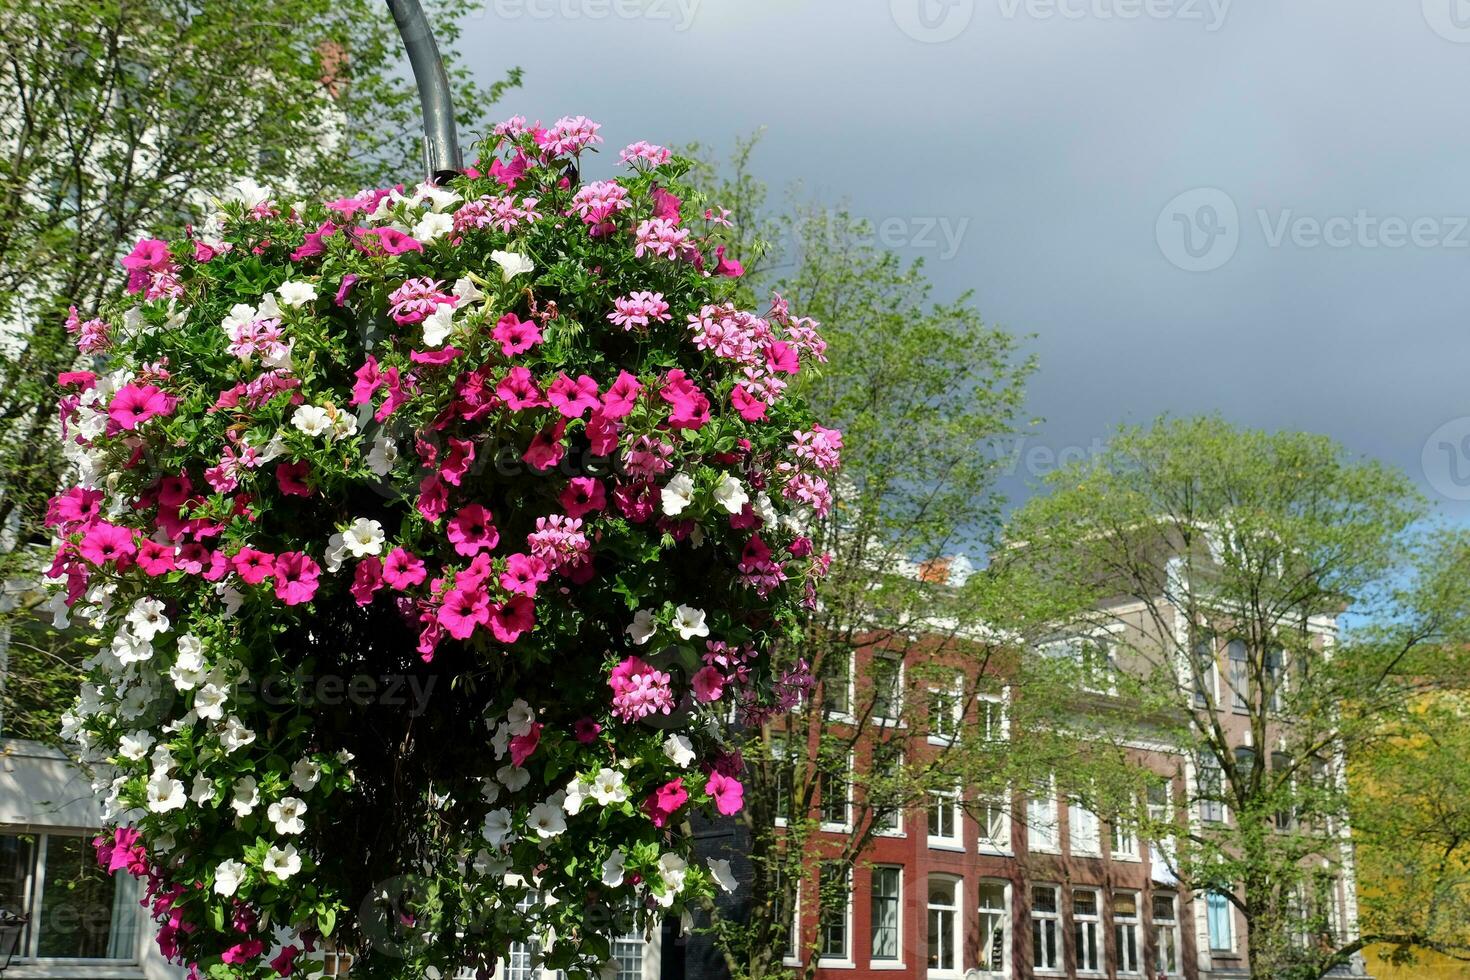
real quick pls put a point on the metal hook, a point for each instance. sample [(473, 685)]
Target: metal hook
[(442, 159)]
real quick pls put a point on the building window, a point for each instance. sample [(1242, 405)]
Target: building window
[(781, 778), (1203, 668), (1239, 674), (945, 711), (886, 784), (522, 961), (887, 914), (628, 954), (992, 720), (837, 683), (1124, 838), (1041, 818), (995, 825), (78, 911), (1211, 791), (944, 924), (1125, 931), (1166, 933), (1046, 952), (887, 673), (788, 913), (1086, 930), (836, 919), (835, 786), (1275, 680), (944, 818), (995, 928), (1221, 922), (1281, 768), (1082, 828)]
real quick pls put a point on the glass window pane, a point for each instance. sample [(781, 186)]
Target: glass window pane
[(886, 883), (85, 912)]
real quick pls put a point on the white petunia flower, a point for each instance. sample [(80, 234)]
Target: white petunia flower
[(677, 494), (305, 774), (135, 746), (165, 793), (511, 264), (383, 455), (286, 815), (575, 795), (467, 291), (438, 198), (228, 876), (344, 426), (719, 869), (363, 537), (643, 626), (202, 791), (609, 787), (520, 717), (312, 420), (283, 862), (235, 735), (147, 620), (671, 871), (433, 225), (336, 551), (513, 778), (209, 702), (731, 495), (689, 622), (497, 827), (612, 869), (547, 820), (679, 750), (765, 510), (129, 649), (296, 292), (489, 790), (438, 325), (244, 796)]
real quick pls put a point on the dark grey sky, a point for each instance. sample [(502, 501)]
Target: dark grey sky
[(1258, 208)]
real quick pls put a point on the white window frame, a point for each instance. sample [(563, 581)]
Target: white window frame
[(791, 955), (1208, 683), (874, 961), (1210, 810), (825, 959), (1132, 922), (1042, 830), (1159, 928), (884, 720), (956, 927), (1003, 722), (1239, 695), (1122, 832), (1006, 922), (1081, 932), (844, 714), (999, 810), (779, 760), (27, 955), (1057, 963), (822, 780), (898, 814), (954, 841), (1084, 830), (955, 695)]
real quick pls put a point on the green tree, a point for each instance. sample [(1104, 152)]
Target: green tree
[(123, 118), (1219, 564)]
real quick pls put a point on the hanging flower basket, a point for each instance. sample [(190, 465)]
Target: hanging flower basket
[(435, 539)]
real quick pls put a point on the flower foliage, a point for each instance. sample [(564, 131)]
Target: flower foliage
[(434, 537)]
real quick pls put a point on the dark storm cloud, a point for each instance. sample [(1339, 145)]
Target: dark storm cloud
[(1254, 208)]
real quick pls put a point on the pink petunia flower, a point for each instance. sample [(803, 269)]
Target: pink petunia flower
[(728, 793), (471, 531), (522, 746), (523, 573), (462, 611), (583, 495), (708, 684), (291, 478), (107, 542), (510, 619), (402, 570), (367, 578), (515, 336), (297, 577), (573, 398), (135, 404), (253, 566)]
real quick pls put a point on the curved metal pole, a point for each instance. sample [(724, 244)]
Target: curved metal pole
[(442, 158)]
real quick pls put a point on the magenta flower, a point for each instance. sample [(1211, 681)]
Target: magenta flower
[(727, 792), (297, 577), (573, 398), (514, 335), (471, 532), (107, 542), (639, 690), (457, 460), (243, 952), (519, 390), (402, 570), (285, 961), (253, 566), (155, 559), (523, 573), (291, 478), (546, 449), (583, 495), (621, 396), (135, 404), (708, 684), (462, 611), (585, 730), (512, 618), (367, 578), (148, 256), (522, 746), (665, 801), (433, 498)]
